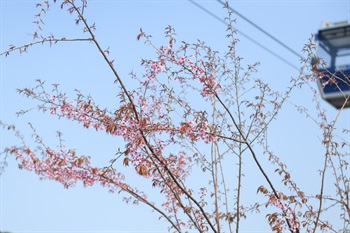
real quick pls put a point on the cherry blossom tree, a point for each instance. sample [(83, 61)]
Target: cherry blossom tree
[(194, 112)]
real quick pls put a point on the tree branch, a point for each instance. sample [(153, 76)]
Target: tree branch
[(24, 48)]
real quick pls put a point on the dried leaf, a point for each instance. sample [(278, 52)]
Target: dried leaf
[(126, 161)]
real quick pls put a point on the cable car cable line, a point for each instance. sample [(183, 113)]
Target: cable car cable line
[(246, 36), (262, 30)]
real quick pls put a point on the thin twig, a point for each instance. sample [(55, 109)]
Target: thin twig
[(23, 48)]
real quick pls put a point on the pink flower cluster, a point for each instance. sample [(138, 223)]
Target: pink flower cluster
[(209, 84), (197, 70), (82, 112), (156, 67), (195, 131), (180, 166), (64, 166), (123, 125), (288, 213)]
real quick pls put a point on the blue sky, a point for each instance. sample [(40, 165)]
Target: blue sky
[(30, 205)]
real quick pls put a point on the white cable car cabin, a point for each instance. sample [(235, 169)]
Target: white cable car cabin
[(332, 64)]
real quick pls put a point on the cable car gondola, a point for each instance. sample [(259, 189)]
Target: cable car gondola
[(332, 63)]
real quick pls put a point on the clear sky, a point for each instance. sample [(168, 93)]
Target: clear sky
[(30, 205)]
